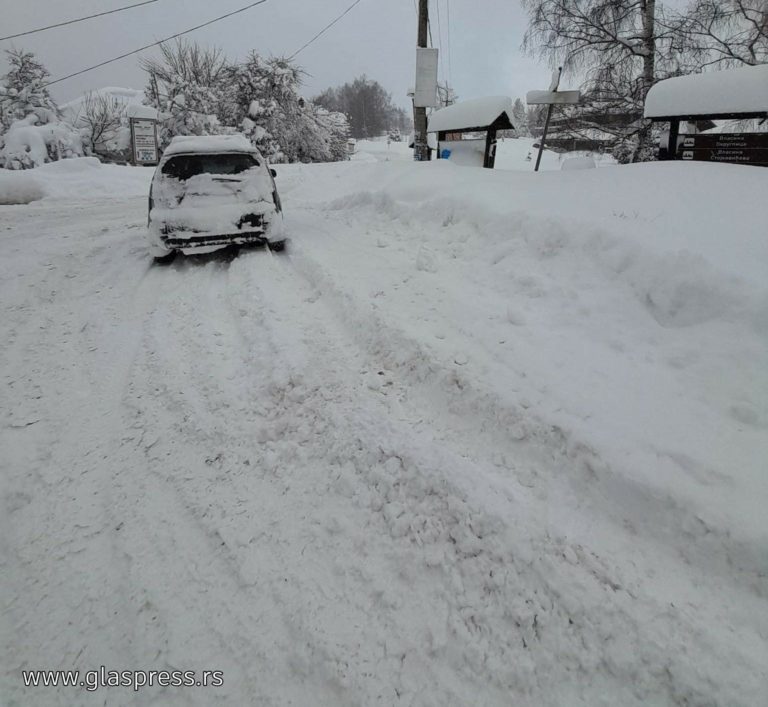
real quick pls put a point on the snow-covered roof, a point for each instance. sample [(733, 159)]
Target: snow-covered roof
[(135, 110), (743, 90), (477, 113), (185, 144)]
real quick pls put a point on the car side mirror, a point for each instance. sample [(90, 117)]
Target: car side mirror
[(273, 173)]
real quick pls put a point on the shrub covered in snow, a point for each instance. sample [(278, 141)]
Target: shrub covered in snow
[(27, 144), (32, 131)]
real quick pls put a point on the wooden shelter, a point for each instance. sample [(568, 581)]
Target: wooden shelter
[(734, 94), (481, 115)]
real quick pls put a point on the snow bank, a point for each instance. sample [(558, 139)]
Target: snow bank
[(19, 188), (82, 178), (743, 90), (627, 304)]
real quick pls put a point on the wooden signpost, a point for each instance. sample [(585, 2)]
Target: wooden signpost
[(550, 98)]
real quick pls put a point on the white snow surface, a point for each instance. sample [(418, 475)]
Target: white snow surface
[(19, 188), (479, 437), (742, 90), (184, 144), (475, 113)]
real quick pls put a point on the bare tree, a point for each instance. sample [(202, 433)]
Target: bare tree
[(619, 45), (101, 118), (722, 33)]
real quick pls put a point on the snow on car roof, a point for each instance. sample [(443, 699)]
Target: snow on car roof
[(477, 113), (186, 144), (743, 90)]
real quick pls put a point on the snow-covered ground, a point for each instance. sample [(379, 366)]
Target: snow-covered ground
[(479, 438), (515, 154)]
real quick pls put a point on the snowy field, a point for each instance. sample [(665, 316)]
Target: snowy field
[(487, 438)]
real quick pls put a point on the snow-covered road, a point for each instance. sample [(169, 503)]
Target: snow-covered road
[(345, 476)]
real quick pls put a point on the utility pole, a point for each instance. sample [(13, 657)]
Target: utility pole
[(420, 145)]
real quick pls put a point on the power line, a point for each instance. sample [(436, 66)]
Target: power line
[(448, 30), (79, 19), (154, 44), (440, 40), (325, 29)]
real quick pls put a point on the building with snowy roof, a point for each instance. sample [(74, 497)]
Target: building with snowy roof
[(482, 115), (734, 94)]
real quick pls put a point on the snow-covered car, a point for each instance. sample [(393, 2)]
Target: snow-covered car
[(211, 192)]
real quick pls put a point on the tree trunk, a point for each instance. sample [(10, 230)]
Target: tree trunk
[(649, 75)]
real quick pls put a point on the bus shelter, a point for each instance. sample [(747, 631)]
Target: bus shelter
[(466, 131)]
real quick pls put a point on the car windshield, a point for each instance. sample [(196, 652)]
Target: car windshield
[(183, 167)]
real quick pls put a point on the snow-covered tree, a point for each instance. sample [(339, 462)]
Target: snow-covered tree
[(31, 129), (520, 118), (265, 102), (197, 92), (187, 86), (24, 92)]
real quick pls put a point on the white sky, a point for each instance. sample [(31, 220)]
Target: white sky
[(376, 38)]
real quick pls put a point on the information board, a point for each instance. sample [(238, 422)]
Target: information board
[(736, 148), (144, 141)]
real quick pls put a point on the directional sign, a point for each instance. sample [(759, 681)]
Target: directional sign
[(723, 154), (536, 98), (742, 141)]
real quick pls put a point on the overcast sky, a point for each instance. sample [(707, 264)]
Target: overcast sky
[(376, 38)]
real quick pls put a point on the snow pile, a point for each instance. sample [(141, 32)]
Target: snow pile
[(742, 90), (629, 289), (71, 179), (19, 188)]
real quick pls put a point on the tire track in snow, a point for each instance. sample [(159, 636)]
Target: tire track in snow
[(418, 504)]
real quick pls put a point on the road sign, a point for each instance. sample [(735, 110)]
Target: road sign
[(740, 141), (721, 154), (144, 141), (539, 98)]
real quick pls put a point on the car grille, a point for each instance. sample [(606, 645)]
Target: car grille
[(193, 239), (239, 238)]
